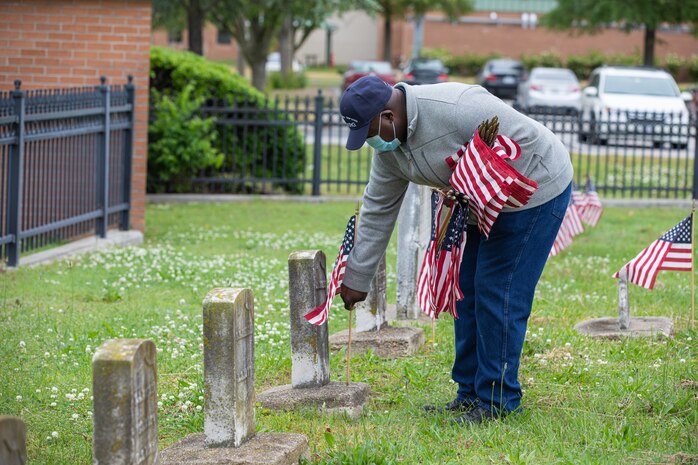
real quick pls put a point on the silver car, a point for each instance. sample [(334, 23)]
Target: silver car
[(641, 103), (549, 87)]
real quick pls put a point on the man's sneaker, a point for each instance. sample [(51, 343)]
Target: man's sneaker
[(475, 416), (456, 405)]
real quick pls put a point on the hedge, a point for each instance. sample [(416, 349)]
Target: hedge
[(172, 72), (469, 64)]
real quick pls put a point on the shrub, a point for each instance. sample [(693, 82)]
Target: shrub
[(258, 150), (547, 59), (692, 68), (292, 81), (179, 141)]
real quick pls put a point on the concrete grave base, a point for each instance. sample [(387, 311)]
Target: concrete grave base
[(609, 328), (334, 397), (391, 316), (389, 342), (261, 449)]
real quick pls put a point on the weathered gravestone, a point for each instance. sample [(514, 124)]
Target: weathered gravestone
[(13, 441), (413, 230), (229, 436), (124, 385), (625, 325), (310, 372), (372, 329)]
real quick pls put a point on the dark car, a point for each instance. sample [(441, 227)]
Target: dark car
[(425, 71), (358, 69), (501, 77)]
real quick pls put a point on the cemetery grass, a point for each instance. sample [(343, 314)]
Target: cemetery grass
[(587, 401)]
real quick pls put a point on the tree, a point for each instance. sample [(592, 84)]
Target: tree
[(590, 16), (391, 9), (173, 15), (254, 24), (305, 17)]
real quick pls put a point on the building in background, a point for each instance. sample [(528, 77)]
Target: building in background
[(52, 44), (507, 27)]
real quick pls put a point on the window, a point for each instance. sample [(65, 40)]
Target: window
[(174, 37), (224, 37)]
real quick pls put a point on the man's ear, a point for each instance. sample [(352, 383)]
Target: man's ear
[(389, 114)]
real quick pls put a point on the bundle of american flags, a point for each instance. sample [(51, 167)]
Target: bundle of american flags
[(319, 314), (673, 251), (437, 287), (482, 174)]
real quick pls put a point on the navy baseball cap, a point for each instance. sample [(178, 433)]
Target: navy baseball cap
[(360, 103)]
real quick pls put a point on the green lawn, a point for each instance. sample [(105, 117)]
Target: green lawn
[(587, 401)]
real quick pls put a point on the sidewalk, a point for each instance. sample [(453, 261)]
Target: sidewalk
[(213, 198)]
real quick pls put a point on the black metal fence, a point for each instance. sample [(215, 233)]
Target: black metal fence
[(65, 165), (626, 155)]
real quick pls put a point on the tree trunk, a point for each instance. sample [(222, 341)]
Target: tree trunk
[(241, 62), (259, 72), (195, 27), (387, 37), (650, 38), (286, 45)]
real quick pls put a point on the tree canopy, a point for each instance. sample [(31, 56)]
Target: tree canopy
[(590, 16)]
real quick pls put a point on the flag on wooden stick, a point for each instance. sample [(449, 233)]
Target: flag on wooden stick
[(672, 252), (570, 227), (319, 314), (592, 208)]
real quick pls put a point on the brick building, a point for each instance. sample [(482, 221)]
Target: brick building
[(507, 27), (71, 43)]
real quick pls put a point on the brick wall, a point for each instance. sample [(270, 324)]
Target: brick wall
[(513, 40), (69, 43)]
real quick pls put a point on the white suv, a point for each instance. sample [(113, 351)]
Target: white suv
[(633, 104)]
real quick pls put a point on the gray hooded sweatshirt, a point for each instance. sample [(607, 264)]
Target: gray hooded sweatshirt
[(440, 119)]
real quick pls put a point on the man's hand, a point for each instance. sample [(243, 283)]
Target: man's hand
[(351, 297)]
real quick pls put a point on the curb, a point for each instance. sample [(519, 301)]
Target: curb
[(81, 246)]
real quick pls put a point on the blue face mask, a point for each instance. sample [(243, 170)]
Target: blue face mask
[(379, 145)]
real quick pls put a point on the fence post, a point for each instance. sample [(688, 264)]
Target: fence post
[(695, 159), (124, 218), (317, 146), (103, 163), (15, 180)]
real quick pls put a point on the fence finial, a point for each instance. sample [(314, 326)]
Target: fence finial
[(18, 84)]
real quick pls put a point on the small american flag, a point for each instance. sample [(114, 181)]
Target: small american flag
[(578, 198), (482, 174), (437, 288), (319, 314), (570, 227), (671, 252), (592, 209)]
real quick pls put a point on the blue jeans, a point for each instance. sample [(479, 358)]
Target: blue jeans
[(498, 277)]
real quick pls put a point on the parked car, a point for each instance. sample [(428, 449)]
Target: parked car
[(644, 102), (424, 71), (549, 88), (501, 77), (273, 64), (358, 69)]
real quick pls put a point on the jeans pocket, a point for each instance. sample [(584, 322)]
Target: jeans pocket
[(561, 202)]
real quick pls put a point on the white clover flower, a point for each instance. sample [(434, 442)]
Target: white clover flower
[(19, 398), (75, 416), (47, 354), (53, 404), (22, 345), (54, 434)]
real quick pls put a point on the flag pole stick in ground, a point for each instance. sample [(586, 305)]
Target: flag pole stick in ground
[(693, 269), (351, 309), (433, 331)]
